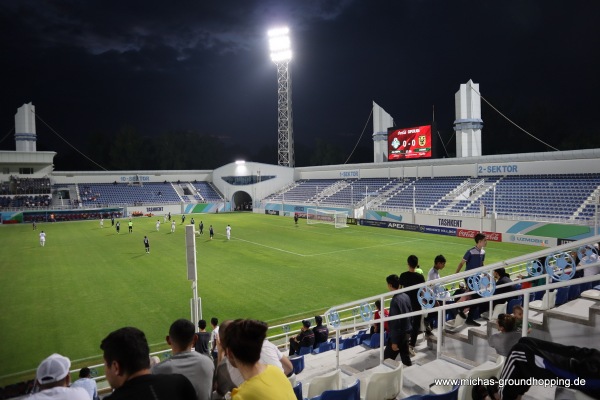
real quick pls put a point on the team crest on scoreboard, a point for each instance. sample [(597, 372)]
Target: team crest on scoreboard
[(422, 140)]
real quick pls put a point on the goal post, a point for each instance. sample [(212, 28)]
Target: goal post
[(336, 218)]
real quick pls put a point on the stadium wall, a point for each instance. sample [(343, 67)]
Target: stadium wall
[(73, 177)]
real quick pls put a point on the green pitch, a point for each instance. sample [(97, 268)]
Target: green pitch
[(87, 281)]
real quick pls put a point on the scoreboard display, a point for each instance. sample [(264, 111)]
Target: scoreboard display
[(409, 143)]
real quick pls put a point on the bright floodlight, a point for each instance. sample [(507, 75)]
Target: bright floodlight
[(240, 162), (279, 43)]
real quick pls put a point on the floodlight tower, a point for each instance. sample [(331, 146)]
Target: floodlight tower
[(281, 54)]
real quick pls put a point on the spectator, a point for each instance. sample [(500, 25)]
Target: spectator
[(198, 368), (518, 314), (474, 258), (535, 358), (243, 343), (202, 343), (321, 332), (222, 383), (375, 327), (408, 279), (127, 369), (507, 337), (400, 329), (214, 337), (53, 377), (306, 338), (86, 382)]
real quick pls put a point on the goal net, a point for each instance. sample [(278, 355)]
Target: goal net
[(330, 217)]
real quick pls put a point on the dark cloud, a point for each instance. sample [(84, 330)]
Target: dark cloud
[(203, 66)]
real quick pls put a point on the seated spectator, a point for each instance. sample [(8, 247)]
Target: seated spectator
[(518, 314), (198, 368), (592, 258), (306, 338), (243, 344), (507, 337), (53, 377), (501, 278), (535, 358), (375, 327), (203, 340), (321, 332), (127, 369), (86, 382)]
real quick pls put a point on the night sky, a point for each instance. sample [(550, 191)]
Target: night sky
[(92, 67)]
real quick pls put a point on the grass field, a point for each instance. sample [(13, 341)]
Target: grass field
[(87, 281)]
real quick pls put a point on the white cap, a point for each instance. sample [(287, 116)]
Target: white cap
[(53, 369)]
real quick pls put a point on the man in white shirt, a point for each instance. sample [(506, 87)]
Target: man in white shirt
[(53, 377), (86, 382)]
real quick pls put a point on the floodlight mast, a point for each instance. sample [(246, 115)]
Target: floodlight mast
[(281, 54)]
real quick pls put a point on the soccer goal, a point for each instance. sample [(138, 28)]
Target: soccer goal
[(330, 217)]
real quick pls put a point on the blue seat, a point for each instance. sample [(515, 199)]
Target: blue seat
[(562, 296), (298, 363), (348, 343), (574, 292), (511, 304), (298, 390), (352, 392), (305, 350), (323, 347), (451, 395), (373, 341)]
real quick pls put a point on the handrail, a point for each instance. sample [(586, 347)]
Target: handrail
[(335, 310)]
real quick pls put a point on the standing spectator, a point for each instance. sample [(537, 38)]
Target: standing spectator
[(400, 329), (321, 331), (127, 369), (214, 338), (438, 264), (53, 377), (201, 227), (86, 382), (42, 238), (228, 231), (198, 368), (243, 343), (211, 232), (306, 338), (203, 341), (147, 244), (408, 279), (474, 258)]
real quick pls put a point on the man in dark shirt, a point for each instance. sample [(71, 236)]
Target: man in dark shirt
[(473, 258), (127, 370), (203, 340), (400, 328), (305, 338), (321, 332), (407, 279)]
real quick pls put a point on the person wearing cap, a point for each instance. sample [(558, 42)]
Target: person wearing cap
[(53, 377), (127, 369), (321, 332), (86, 382), (306, 338), (198, 368)]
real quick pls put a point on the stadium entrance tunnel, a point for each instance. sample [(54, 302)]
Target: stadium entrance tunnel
[(241, 201)]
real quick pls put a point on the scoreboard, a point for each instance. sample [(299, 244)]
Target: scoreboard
[(409, 143)]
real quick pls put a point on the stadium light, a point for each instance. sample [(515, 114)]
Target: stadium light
[(281, 54), (280, 45), (240, 162)]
